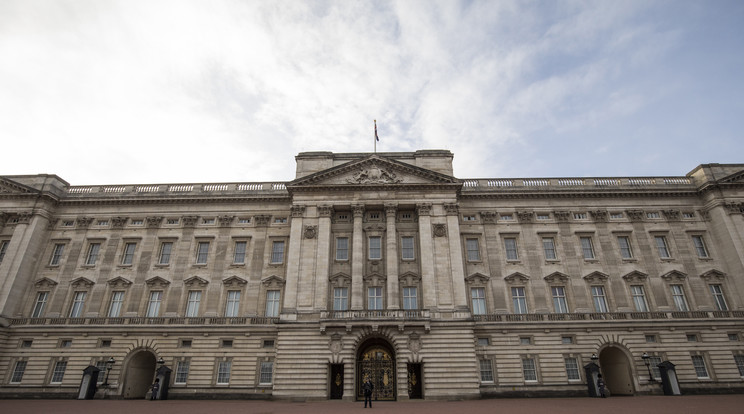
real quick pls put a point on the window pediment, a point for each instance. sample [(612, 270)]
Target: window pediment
[(713, 274), (674, 276), (82, 282), (273, 281), (635, 276), (517, 278), (375, 279), (45, 282), (556, 277), (157, 282), (596, 277), (477, 279), (195, 281), (119, 282), (234, 281), (340, 280), (409, 279)]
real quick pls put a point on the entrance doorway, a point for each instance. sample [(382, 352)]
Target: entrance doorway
[(415, 387), (337, 381), (376, 361), (615, 368), (139, 374)]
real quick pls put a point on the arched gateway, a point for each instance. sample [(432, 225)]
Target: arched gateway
[(139, 372), (615, 367), (376, 361)]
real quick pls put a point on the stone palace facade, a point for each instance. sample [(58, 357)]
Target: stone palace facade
[(379, 265)]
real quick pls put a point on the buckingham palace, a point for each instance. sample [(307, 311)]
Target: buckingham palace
[(380, 266)]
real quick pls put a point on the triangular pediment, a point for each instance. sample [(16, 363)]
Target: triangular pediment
[(557, 277), (8, 186), (45, 282), (517, 277), (635, 276), (374, 171), (737, 177), (195, 281), (157, 282), (272, 281), (596, 277), (674, 276), (713, 274), (82, 282), (477, 279), (119, 282), (234, 281)]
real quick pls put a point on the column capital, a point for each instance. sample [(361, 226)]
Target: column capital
[(325, 210), (423, 209), (452, 209), (297, 210), (391, 209), (358, 210), (488, 217)]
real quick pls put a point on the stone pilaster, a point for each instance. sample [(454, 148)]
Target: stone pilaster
[(357, 260), (428, 280), (455, 250), (323, 257), (293, 259), (391, 259)]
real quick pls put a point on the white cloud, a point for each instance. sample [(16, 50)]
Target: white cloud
[(128, 91)]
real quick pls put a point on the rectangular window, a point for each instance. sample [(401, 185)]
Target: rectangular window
[(655, 371), (473, 250), (486, 370), (3, 248), (267, 371), (580, 216), (26, 343), (572, 369), (40, 304), (239, 253), (560, 305), (223, 372), (18, 371), (78, 302), (374, 298), (483, 342), (543, 216), (202, 252), (733, 337), (587, 248), (59, 372), (698, 362), (165, 253), (699, 243), (616, 216), (567, 340), (662, 247), (692, 338), (478, 297), (128, 257), (59, 250), (406, 248), (625, 250), (277, 252), (340, 299), (519, 300), (342, 248), (529, 369), (232, 305), (117, 299), (153, 304), (639, 298), (650, 339), (599, 298), (410, 298), (653, 215), (92, 257), (272, 303), (549, 248), (375, 248), (717, 292), (525, 340), (739, 360), (510, 245), (678, 295), (182, 371), (192, 303)]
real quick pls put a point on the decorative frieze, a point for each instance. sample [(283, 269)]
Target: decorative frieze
[(600, 216), (262, 220), (374, 175), (488, 217), (119, 222), (190, 221), (672, 215), (83, 222), (525, 216), (635, 215), (225, 221), (562, 216)]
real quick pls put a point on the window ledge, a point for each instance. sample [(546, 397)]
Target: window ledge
[(705, 259), (630, 260), (161, 265), (237, 265), (124, 266), (198, 265)]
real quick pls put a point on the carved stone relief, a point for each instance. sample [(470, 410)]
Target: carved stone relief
[(373, 175)]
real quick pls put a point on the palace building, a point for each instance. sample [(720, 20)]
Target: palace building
[(373, 265)]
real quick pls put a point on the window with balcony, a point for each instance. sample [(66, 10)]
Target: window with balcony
[(639, 298), (519, 300), (478, 298), (273, 298)]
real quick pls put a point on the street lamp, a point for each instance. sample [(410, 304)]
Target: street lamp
[(647, 361), (595, 358), (109, 364), (161, 361)]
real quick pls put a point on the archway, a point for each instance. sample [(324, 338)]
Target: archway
[(376, 361), (138, 374), (615, 368)]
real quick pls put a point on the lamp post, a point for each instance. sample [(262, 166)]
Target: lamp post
[(647, 361), (595, 358), (161, 361), (109, 364)]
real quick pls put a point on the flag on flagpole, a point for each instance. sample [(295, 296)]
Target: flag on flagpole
[(376, 137)]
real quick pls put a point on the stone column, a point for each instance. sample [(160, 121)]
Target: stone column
[(21, 255), (323, 258), (357, 260), (428, 280), (293, 260), (455, 250), (391, 259)]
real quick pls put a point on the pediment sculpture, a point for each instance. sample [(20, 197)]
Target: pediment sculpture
[(374, 175)]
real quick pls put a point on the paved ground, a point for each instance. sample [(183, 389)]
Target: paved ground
[(697, 404)]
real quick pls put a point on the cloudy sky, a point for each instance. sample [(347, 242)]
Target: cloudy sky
[(221, 91)]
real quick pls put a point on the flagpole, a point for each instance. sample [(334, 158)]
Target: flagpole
[(375, 136)]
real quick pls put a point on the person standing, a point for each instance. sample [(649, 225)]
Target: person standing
[(601, 386), (367, 387), (155, 389)]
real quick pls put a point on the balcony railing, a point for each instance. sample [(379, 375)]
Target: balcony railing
[(377, 315), (140, 320), (606, 316), (180, 189), (501, 184)]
